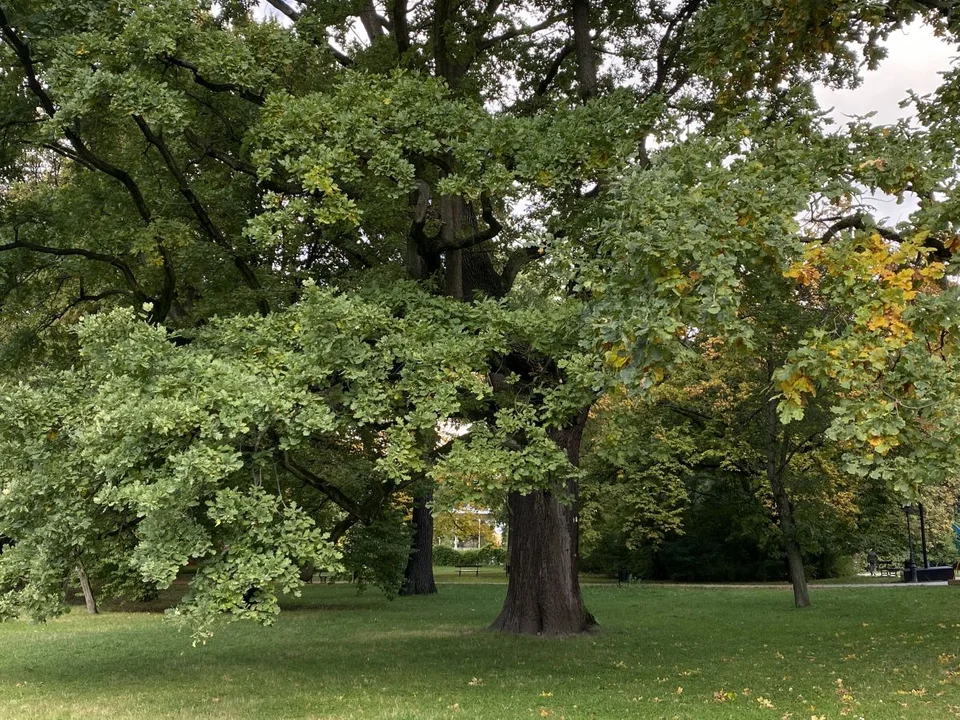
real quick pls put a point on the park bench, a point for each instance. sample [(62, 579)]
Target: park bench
[(888, 567), (475, 568)]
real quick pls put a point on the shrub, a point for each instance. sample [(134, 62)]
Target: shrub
[(377, 553)]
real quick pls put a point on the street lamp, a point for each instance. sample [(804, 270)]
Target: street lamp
[(910, 567), (923, 536)]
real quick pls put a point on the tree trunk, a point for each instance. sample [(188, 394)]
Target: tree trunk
[(418, 576), (88, 597), (543, 590), (583, 44), (801, 595), (788, 527)]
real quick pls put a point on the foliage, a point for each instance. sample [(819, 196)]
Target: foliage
[(300, 249), (376, 553)]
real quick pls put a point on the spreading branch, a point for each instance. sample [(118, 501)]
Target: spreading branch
[(308, 477), (219, 87), (515, 32), (669, 49), (124, 269), (293, 15), (516, 262), (203, 217)]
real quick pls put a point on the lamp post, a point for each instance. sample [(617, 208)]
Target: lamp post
[(923, 536), (910, 568)]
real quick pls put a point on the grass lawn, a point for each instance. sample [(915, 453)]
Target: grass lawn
[(859, 580), (663, 652)]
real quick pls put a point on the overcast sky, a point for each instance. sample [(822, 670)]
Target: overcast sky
[(914, 61), (915, 58)]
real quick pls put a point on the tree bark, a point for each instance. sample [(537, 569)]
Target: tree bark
[(88, 597), (418, 576), (543, 589), (583, 46), (798, 578), (788, 527)]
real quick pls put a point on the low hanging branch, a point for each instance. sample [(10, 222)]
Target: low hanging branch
[(115, 262)]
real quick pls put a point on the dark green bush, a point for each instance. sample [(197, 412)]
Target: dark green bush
[(377, 553)]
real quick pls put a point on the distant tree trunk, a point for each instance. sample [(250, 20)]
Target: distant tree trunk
[(788, 527), (543, 590), (418, 576), (88, 597)]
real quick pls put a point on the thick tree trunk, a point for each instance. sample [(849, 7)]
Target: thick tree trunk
[(583, 44), (788, 527), (88, 597), (418, 576), (543, 590)]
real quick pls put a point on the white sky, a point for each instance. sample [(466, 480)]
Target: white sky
[(914, 62), (915, 57)]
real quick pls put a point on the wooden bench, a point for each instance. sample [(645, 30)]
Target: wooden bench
[(461, 568)]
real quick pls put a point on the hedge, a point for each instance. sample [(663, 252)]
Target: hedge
[(489, 555)]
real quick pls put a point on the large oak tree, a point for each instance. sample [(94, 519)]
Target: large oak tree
[(449, 175)]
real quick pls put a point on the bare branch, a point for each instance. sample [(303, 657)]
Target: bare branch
[(285, 9), (373, 24), (516, 262), (515, 32), (544, 85), (310, 478), (858, 222)]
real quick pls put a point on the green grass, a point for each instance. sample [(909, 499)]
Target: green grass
[(859, 580), (865, 652)]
